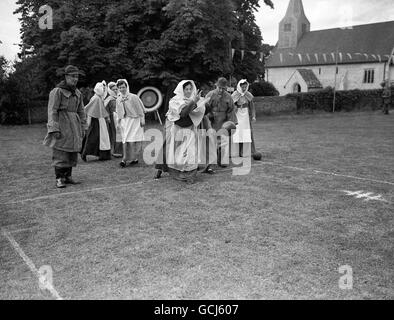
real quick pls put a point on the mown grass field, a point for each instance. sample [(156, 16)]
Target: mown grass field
[(280, 232)]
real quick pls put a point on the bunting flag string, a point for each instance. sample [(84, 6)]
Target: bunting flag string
[(254, 53), (335, 57), (332, 56)]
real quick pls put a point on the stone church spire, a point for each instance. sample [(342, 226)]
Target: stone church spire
[(293, 26)]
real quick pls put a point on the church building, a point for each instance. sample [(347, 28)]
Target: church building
[(357, 57)]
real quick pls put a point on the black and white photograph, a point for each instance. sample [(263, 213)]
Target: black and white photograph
[(196, 151)]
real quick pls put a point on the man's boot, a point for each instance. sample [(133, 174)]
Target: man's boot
[(68, 176), (60, 179)]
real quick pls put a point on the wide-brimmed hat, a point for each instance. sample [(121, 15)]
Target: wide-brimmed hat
[(222, 83), (73, 70)]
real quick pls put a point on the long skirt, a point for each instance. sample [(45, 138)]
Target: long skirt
[(132, 137), (179, 154), (243, 132), (131, 130), (96, 142), (116, 135)]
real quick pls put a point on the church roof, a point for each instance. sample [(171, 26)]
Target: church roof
[(360, 44), (310, 78)]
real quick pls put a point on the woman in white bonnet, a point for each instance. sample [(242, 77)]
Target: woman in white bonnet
[(97, 142), (179, 155), (114, 130), (131, 119), (246, 115)]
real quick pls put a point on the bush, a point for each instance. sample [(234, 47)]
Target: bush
[(263, 88), (345, 100)]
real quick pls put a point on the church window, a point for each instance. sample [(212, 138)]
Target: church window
[(319, 70), (287, 27), (369, 76), (303, 28)]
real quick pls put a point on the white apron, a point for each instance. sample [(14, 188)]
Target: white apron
[(105, 144), (131, 130), (242, 133), (182, 156)]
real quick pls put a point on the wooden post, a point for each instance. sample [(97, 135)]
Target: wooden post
[(28, 115), (335, 82)]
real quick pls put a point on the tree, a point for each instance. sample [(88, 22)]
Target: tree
[(249, 39), (154, 42), (3, 68)]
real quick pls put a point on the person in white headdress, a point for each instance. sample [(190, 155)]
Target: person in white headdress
[(131, 119), (97, 142), (115, 135), (246, 115), (179, 155)]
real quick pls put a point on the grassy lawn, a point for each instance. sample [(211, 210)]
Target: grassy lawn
[(280, 232)]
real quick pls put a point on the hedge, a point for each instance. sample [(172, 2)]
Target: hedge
[(345, 100)]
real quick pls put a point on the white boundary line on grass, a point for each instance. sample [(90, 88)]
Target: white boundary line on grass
[(73, 192), (329, 173), (30, 263), (260, 164)]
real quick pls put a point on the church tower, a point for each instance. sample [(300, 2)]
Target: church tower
[(293, 26)]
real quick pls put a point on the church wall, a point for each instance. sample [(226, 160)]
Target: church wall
[(349, 77), (392, 74)]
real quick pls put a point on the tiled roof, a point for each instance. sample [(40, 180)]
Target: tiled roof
[(364, 43), (310, 78)]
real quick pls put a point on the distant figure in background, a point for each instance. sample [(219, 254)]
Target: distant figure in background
[(87, 94), (66, 126), (115, 135), (221, 111), (246, 115), (131, 118), (386, 95), (97, 142)]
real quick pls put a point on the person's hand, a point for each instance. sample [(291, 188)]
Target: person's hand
[(197, 97), (143, 123), (254, 119), (56, 135)]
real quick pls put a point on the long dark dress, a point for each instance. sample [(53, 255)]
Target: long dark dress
[(117, 147), (91, 142)]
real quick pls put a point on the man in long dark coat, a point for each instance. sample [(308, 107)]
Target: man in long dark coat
[(66, 126)]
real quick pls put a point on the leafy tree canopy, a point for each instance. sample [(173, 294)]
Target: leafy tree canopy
[(154, 42)]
